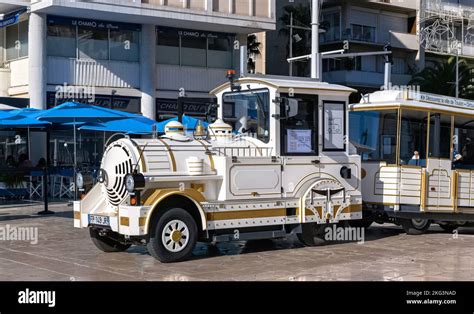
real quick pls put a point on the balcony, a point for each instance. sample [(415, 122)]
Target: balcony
[(404, 41), (363, 78), (405, 5), (236, 16)]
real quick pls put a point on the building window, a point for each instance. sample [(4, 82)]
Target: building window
[(363, 33), (219, 53), (62, 41), (194, 48), (93, 43), (193, 51), (168, 49), (125, 45), (90, 39), (16, 41), (332, 65), (332, 22), (399, 66)]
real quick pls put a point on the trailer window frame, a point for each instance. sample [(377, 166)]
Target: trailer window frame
[(344, 122), (315, 130)]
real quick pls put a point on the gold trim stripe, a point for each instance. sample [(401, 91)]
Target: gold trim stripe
[(77, 215), (171, 154), (211, 158), (250, 214), (125, 221)]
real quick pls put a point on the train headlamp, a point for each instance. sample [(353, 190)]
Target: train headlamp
[(134, 182), (103, 177), (79, 181)]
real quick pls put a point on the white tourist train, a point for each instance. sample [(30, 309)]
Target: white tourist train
[(417, 159), (275, 162)]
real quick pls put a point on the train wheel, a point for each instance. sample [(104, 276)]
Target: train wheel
[(448, 227), (312, 234), (173, 237), (107, 243), (415, 226)]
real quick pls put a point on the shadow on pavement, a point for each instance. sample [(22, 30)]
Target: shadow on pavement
[(10, 217)]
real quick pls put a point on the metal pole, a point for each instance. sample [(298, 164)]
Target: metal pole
[(291, 43), (75, 161), (46, 210), (387, 74), (315, 67), (457, 73)]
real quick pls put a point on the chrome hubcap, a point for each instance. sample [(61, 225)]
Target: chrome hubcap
[(175, 236)]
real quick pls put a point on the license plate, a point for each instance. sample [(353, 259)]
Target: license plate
[(99, 220)]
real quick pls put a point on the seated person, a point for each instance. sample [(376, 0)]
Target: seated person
[(415, 160)]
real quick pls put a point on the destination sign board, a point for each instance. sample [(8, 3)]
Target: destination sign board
[(441, 100)]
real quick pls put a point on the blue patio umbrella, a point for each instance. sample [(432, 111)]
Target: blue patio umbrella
[(76, 113), (5, 114), (189, 123), (23, 118), (136, 124)]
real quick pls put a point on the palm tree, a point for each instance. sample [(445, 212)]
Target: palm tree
[(301, 17), (253, 51), (438, 78)]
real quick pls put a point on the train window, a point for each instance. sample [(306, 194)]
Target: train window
[(440, 136), (299, 128), (334, 126), (251, 112), (463, 143), (413, 138), (374, 134)]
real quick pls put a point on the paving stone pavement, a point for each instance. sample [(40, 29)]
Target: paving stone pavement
[(388, 254)]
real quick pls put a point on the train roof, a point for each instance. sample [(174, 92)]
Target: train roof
[(392, 99), (299, 84)]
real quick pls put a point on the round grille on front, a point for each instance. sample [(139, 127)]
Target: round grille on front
[(117, 163)]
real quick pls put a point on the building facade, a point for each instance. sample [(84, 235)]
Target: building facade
[(133, 55), (368, 25)]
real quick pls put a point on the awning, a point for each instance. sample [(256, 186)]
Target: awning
[(11, 18)]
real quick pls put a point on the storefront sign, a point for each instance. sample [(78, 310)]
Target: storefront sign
[(94, 24), (11, 18), (128, 104), (170, 106), (192, 33)]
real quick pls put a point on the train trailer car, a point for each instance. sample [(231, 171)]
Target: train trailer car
[(274, 163), (417, 159)]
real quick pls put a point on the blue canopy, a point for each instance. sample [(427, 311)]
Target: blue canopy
[(23, 118), (78, 112), (189, 123), (136, 124)]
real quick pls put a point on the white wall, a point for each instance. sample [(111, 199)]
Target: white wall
[(172, 78), (101, 73)]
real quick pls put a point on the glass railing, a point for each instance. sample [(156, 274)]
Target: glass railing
[(256, 8)]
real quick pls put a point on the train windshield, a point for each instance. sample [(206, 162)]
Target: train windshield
[(249, 112), (374, 134)]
